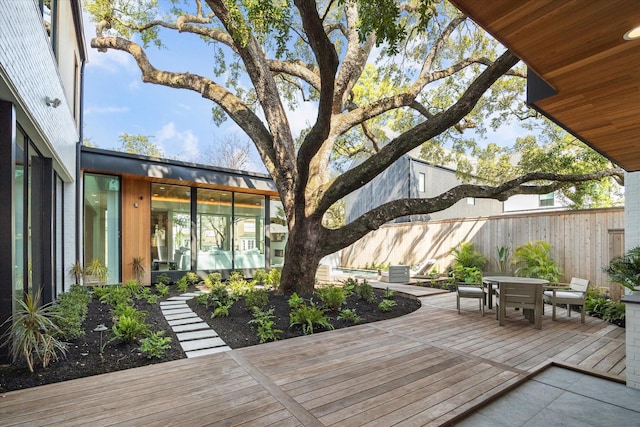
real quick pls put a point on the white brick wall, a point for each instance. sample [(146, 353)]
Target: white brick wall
[(631, 240)]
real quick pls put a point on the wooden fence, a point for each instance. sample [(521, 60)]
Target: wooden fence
[(582, 241)]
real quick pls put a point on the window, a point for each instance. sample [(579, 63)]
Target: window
[(170, 227), (248, 231), (214, 230), (422, 181), (471, 200), (278, 232), (546, 199), (102, 222)]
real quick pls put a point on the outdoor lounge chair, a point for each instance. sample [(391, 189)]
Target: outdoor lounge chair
[(573, 294), (423, 268), (468, 290)]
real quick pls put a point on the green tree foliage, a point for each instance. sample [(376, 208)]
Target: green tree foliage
[(139, 144), (386, 76)]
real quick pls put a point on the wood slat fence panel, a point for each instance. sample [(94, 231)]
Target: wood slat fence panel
[(580, 241)]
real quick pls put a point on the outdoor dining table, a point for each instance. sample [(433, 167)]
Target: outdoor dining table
[(488, 281)]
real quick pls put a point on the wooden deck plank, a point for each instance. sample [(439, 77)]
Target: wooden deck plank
[(421, 369)]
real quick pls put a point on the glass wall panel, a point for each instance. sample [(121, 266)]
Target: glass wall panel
[(20, 242), (102, 222), (278, 232), (170, 227), (248, 231), (58, 236), (214, 238)]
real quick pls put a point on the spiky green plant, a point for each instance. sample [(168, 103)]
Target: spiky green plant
[(625, 269), (32, 332), (532, 260), (467, 256)]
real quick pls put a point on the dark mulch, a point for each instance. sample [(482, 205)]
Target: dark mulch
[(83, 357)]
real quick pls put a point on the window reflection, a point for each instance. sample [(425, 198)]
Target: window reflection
[(214, 239), (170, 227), (248, 231), (278, 232)]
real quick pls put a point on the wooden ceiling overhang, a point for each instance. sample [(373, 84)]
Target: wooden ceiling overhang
[(577, 48)]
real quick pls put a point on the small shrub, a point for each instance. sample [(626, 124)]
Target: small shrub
[(116, 295), (389, 293), (348, 286), (332, 297), (133, 287), (151, 298), (364, 291), (256, 298), (466, 255), (129, 311), (182, 284), (31, 334), (69, 311), (349, 315), (265, 325), (387, 304), (128, 329), (222, 310), (274, 277), (238, 285), (100, 291), (260, 277), (295, 301), (155, 345), (202, 299), (162, 290), (533, 260), (309, 317), (192, 278), (213, 279), (163, 279)]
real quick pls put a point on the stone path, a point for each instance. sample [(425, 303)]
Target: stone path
[(195, 336)]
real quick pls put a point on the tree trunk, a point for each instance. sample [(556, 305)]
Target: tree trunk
[(302, 256)]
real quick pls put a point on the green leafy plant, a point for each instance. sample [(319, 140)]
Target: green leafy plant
[(310, 317), (182, 284), (129, 311), (100, 291), (98, 270), (467, 274), (349, 315), (503, 258), (155, 345), (532, 260), (274, 277), (163, 279), (162, 290), (134, 288), (388, 293), (467, 256), (295, 301), (332, 297), (212, 280), (116, 295), (625, 269), (386, 305), (238, 285), (151, 298), (599, 305), (260, 277), (192, 278), (69, 311), (222, 310), (265, 325), (256, 298), (364, 291), (129, 329), (32, 334)]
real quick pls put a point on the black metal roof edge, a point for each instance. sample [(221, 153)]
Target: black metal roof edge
[(172, 162)]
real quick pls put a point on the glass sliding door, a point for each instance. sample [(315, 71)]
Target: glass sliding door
[(170, 227), (21, 229), (248, 231), (214, 234), (102, 222)]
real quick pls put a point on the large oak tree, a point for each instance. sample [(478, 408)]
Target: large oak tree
[(387, 74)]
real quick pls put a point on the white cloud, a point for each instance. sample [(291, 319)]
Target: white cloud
[(105, 110), (183, 144)]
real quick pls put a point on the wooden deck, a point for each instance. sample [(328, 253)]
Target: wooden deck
[(427, 368)]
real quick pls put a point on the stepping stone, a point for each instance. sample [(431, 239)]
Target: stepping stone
[(201, 344), (173, 304), (191, 294), (206, 351), (196, 335), (187, 321), (169, 311), (179, 298), (190, 327), (181, 316)]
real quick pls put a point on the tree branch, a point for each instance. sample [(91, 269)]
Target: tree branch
[(375, 218)]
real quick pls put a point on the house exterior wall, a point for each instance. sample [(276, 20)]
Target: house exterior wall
[(530, 202), (632, 239), (401, 180)]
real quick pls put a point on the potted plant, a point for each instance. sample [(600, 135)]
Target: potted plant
[(98, 271), (625, 269), (138, 268), (76, 272)]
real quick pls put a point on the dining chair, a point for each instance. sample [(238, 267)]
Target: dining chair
[(573, 294), (464, 290), (525, 296)]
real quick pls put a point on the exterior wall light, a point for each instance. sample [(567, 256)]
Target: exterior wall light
[(55, 102)]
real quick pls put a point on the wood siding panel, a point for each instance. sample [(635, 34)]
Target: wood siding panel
[(583, 242), (136, 226)]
